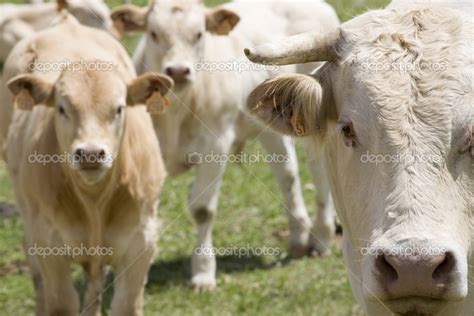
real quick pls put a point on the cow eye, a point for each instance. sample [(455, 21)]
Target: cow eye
[(154, 36), (198, 36), (349, 134), (469, 144), (61, 110), (120, 110)]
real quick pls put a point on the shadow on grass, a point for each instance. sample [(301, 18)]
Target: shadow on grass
[(178, 271), (7, 209), (162, 274)]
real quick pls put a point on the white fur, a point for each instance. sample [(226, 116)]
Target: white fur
[(216, 101), (426, 112)]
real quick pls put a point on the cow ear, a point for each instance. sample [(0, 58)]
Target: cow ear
[(61, 4), (129, 18), (221, 21), (150, 89), (29, 90), (290, 104)]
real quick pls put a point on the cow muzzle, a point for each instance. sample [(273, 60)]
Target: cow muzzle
[(181, 74), (415, 276), (91, 157)]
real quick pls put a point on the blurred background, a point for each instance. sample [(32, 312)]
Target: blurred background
[(250, 214)]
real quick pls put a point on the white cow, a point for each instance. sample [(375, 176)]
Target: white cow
[(394, 106), (205, 116), (85, 163), (18, 21)]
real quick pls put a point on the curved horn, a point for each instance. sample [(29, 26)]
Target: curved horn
[(297, 49)]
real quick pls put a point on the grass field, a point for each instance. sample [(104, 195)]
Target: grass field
[(250, 213)]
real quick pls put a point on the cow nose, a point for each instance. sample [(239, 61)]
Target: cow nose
[(416, 275), (89, 156), (178, 73)]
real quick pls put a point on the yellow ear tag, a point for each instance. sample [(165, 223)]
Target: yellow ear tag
[(23, 100), (156, 103), (118, 28), (298, 126)]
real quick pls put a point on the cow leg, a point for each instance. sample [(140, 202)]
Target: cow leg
[(131, 271), (28, 244), (59, 293), (94, 275), (37, 279), (286, 173), (323, 231), (203, 206)]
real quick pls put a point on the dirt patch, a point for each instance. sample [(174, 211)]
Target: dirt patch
[(16, 267), (7, 209)]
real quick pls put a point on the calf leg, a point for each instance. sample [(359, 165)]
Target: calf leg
[(287, 176), (59, 293), (37, 279), (322, 234), (203, 206), (94, 275), (131, 272), (31, 258)]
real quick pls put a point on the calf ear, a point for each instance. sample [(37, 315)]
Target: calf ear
[(221, 21), (29, 90), (129, 18), (150, 89), (61, 4), (290, 104)]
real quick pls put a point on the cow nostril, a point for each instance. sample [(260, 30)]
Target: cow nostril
[(445, 267), (187, 71), (386, 270), (169, 71), (79, 152)]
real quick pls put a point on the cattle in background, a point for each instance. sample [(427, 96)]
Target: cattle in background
[(18, 21), (86, 165), (394, 107), (206, 111)]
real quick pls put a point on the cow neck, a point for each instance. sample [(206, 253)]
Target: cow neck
[(94, 200), (99, 192)]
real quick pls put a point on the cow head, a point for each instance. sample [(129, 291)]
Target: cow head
[(394, 106), (94, 13), (176, 33), (90, 113)]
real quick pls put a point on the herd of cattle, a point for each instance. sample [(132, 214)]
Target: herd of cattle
[(395, 84)]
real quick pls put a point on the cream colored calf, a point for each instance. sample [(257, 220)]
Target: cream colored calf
[(85, 163)]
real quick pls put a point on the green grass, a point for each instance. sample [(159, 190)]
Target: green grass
[(249, 213)]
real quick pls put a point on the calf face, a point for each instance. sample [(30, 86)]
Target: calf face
[(175, 33), (90, 112), (399, 148)]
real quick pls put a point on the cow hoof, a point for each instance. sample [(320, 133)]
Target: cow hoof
[(202, 283), (323, 236), (298, 251), (319, 254), (318, 249)]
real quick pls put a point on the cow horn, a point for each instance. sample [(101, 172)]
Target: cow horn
[(297, 49)]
